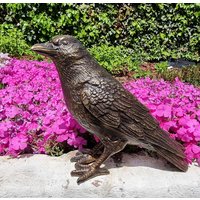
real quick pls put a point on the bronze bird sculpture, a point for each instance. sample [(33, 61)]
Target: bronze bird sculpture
[(103, 107)]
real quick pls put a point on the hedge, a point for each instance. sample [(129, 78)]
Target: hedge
[(156, 31)]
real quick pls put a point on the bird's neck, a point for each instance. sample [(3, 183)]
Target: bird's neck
[(75, 72)]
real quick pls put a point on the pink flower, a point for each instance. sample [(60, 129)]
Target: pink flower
[(12, 111), (182, 131), (179, 112), (168, 125), (196, 134), (176, 106), (33, 111), (195, 149), (163, 111), (18, 142), (62, 137)]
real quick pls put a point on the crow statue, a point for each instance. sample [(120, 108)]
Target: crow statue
[(103, 107)]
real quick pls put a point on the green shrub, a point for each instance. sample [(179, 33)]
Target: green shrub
[(115, 59), (2, 86), (119, 60), (155, 31), (161, 67), (12, 41), (185, 74), (54, 148), (139, 73)]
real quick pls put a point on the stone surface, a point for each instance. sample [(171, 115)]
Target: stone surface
[(137, 176)]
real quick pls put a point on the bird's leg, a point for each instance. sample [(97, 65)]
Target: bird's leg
[(87, 156), (89, 171)]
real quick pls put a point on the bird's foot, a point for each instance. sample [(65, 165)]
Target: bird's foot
[(88, 156), (85, 172), (84, 157)]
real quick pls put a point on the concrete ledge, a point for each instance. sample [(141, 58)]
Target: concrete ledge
[(139, 176)]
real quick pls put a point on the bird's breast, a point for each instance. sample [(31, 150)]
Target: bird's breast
[(76, 108)]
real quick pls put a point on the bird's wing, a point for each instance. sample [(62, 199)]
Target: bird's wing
[(98, 100), (111, 104), (118, 110)]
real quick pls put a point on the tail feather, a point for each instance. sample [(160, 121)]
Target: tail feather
[(174, 159), (168, 148), (161, 138)]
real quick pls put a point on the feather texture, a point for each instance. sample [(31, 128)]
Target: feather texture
[(102, 106), (122, 112)]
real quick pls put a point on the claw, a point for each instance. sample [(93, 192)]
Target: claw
[(85, 172), (83, 159), (86, 151), (76, 158), (78, 172), (87, 159), (91, 174), (79, 155), (87, 155), (81, 166)]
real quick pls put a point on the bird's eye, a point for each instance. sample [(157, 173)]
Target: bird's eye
[(64, 42), (55, 42)]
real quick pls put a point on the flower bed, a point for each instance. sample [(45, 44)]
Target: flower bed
[(177, 108), (32, 109), (33, 113)]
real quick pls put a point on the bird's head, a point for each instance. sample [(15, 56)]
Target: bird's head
[(60, 48)]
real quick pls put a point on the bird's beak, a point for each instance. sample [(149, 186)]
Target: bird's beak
[(46, 49)]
